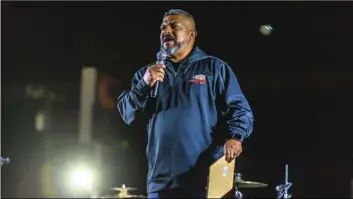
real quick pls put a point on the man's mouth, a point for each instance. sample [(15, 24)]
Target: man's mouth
[(168, 40)]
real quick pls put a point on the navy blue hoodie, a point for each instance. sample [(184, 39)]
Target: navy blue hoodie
[(199, 107)]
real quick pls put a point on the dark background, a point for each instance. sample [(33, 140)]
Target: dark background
[(298, 81)]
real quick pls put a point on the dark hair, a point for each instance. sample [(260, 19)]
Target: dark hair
[(178, 12)]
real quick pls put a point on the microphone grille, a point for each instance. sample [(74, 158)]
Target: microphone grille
[(162, 55)]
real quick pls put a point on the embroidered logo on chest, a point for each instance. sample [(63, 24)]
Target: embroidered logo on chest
[(198, 79)]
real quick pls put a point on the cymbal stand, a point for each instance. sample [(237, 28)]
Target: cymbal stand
[(5, 161), (282, 189), (237, 193)]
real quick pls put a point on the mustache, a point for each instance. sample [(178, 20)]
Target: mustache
[(169, 38)]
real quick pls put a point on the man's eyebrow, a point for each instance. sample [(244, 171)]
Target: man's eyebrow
[(170, 22)]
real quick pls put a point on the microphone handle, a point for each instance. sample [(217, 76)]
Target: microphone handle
[(155, 90)]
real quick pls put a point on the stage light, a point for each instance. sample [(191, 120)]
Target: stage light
[(266, 30), (81, 179)]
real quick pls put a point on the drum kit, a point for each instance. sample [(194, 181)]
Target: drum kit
[(282, 189), (123, 192), (239, 184)]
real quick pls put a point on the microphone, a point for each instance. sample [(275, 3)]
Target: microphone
[(161, 57)]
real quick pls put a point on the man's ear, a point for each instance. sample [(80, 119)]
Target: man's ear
[(193, 34)]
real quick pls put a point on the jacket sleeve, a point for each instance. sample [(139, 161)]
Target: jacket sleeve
[(234, 106), (131, 104)]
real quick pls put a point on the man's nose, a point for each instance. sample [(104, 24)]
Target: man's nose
[(168, 30)]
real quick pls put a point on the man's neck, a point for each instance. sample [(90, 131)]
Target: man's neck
[(180, 56)]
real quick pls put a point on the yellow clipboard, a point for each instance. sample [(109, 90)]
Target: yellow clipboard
[(220, 178)]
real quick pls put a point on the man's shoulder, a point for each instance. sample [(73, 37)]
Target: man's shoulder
[(216, 61)]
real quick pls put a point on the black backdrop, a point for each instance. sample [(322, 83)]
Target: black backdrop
[(306, 124)]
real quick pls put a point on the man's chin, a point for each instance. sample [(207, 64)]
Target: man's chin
[(171, 50)]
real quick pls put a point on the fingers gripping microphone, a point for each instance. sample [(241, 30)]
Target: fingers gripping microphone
[(161, 57)]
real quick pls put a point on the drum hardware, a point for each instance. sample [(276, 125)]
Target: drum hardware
[(237, 193), (240, 183), (5, 161), (282, 189), (124, 188), (124, 192), (247, 184)]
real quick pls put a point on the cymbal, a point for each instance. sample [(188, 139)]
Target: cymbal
[(135, 196), (124, 188), (249, 184), (127, 196)]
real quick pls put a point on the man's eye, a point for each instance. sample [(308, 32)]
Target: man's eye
[(175, 26)]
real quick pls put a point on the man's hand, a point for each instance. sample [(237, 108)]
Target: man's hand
[(232, 149), (153, 74)]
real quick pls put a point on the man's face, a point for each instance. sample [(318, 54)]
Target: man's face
[(176, 33)]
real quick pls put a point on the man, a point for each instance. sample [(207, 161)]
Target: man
[(199, 115)]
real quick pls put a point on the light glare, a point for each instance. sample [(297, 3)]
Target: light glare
[(82, 178)]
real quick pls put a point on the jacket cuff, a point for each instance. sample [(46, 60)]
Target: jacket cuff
[(237, 136), (142, 88)]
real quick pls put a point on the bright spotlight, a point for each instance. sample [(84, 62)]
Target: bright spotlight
[(266, 30), (82, 178)]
